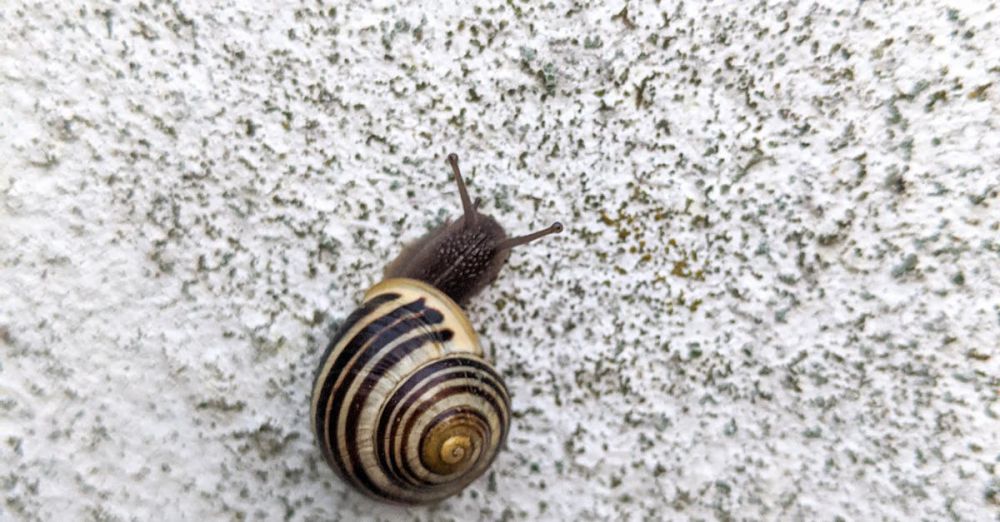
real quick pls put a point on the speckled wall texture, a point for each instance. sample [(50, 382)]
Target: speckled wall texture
[(777, 296)]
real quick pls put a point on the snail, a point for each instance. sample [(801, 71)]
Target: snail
[(405, 407)]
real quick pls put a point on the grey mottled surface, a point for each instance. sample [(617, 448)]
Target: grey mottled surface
[(777, 297)]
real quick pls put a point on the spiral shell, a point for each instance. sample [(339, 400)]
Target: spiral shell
[(404, 406)]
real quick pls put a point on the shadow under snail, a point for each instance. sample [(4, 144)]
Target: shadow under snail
[(405, 407)]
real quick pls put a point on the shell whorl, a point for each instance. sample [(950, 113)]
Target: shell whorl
[(404, 405)]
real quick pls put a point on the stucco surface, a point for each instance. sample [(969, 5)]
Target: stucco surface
[(777, 296)]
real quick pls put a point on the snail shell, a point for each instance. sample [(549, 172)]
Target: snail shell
[(404, 405)]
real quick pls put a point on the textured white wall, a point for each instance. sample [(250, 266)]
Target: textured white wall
[(778, 295)]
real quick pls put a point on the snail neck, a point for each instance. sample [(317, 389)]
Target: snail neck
[(459, 258)]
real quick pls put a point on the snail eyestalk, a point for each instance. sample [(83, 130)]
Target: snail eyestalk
[(512, 242), (467, 206)]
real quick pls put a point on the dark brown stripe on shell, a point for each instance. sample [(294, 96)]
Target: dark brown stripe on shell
[(367, 385), (349, 323), (370, 331)]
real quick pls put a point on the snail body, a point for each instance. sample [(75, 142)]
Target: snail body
[(405, 406)]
